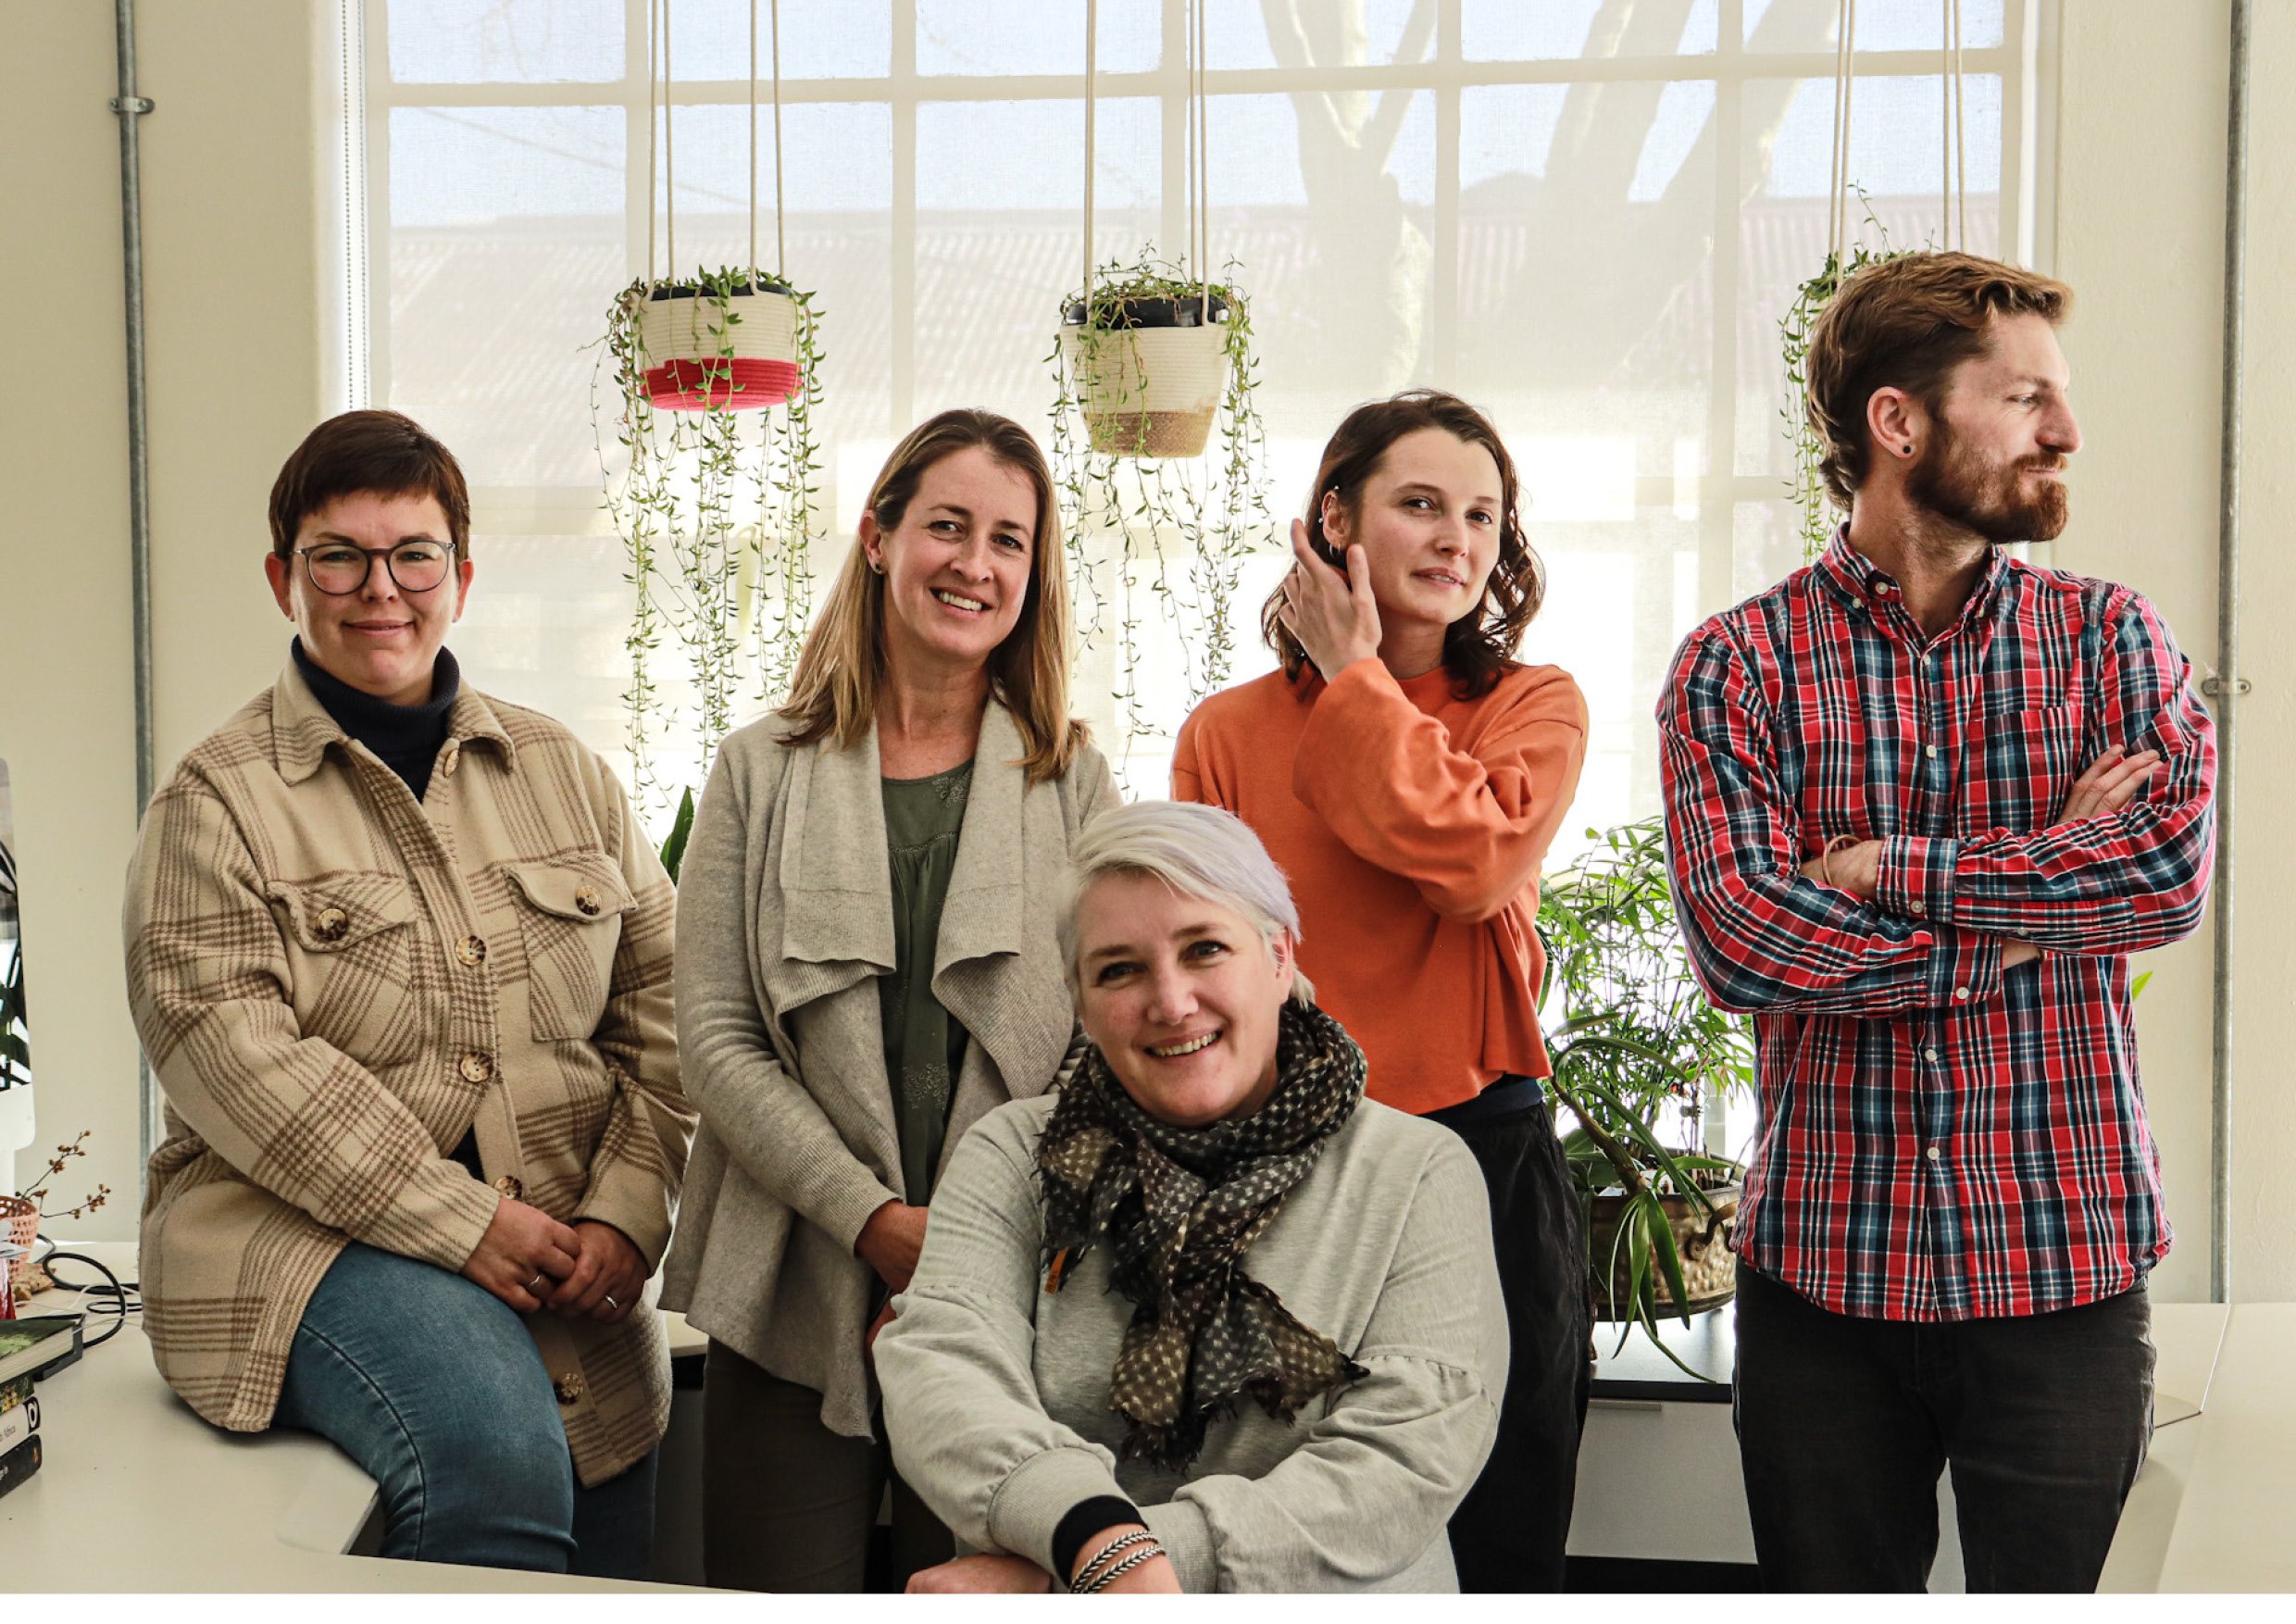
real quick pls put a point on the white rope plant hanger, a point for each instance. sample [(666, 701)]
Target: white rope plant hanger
[(1954, 195), (700, 359)]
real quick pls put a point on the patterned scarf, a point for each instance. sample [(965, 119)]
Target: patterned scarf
[(1180, 1206)]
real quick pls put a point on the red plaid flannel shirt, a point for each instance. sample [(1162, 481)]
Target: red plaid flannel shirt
[(1940, 1139)]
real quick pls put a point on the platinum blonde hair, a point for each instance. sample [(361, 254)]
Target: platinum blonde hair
[(1198, 851)]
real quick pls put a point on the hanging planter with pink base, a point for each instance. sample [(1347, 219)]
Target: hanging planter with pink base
[(730, 345)]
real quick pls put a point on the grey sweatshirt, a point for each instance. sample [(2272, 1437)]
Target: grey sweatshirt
[(996, 1393)]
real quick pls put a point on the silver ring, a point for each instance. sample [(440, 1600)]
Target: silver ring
[(610, 1302), (535, 1281)]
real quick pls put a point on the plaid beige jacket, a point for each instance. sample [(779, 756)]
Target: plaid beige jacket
[(335, 983)]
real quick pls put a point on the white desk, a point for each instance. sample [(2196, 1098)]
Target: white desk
[(138, 1494)]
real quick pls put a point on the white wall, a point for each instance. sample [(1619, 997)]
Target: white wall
[(2140, 233), (238, 219), (240, 223)]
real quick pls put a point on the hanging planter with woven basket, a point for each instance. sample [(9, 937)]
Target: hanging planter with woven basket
[(1150, 359), (1157, 446), (715, 379), (727, 342)]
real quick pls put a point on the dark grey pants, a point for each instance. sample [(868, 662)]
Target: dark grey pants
[(787, 1505), (1844, 1424), (1508, 1533)]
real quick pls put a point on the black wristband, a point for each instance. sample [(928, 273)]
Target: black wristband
[(1084, 1519)]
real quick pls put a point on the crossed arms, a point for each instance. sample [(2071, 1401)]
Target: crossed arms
[(1907, 922)]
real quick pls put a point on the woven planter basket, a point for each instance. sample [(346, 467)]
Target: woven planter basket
[(1705, 1245), (1149, 391), (688, 368)]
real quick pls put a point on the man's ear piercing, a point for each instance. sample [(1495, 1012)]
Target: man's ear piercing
[(1906, 450)]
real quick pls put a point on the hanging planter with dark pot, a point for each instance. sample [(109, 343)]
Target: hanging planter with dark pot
[(1149, 371), (729, 344)]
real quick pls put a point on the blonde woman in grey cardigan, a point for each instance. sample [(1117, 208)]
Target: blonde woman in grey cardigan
[(867, 964), (1209, 1319)]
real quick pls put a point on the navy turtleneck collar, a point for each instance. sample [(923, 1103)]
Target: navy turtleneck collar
[(405, 738)]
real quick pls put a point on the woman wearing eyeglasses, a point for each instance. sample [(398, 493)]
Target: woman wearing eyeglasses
[(401, 960)]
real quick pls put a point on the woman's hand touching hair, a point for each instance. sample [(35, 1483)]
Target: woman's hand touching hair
[(1332, 614)]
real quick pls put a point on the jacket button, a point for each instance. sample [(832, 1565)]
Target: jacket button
[(508, 1186), (330, 925), (454, 754), (587, 901), (471, 950), (571, 1387), (477, 1068)]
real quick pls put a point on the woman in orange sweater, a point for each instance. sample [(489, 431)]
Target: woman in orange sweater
[(1408, 774)]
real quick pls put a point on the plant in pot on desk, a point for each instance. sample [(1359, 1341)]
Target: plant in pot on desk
[(21, 1214), (1641, 1058)]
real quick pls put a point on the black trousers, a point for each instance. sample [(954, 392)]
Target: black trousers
[(1508, 1533), (787, 1505), (1843, 1425)]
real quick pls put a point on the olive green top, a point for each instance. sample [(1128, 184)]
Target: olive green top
[(924, 1045)]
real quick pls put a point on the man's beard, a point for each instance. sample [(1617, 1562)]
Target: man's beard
[(1958, 485)]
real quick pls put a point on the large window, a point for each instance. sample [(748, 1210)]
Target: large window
[(1586, 216)]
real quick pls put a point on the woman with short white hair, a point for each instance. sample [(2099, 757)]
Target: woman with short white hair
[(1207, 1318)]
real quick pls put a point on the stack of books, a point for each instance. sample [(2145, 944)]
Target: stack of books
[(29, 1350)]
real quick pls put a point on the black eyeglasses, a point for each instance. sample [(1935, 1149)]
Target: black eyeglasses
[(338, 568)]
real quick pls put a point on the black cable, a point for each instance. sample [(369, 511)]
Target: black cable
[(110, 1300)]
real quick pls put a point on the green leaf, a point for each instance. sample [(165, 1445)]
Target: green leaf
[(674, 848), (1669, 1258)]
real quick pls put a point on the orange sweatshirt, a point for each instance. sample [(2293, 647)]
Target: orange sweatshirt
[(1412, 825)]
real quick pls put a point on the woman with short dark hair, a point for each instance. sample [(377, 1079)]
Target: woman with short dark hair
[(1409, 773), (400, 957)]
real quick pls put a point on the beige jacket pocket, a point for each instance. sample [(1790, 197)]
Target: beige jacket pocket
[(349, 942), (571, 920)]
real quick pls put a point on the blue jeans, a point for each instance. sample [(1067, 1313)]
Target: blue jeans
[(434, 1387)]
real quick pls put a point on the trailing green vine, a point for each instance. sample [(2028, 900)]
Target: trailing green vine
[(1116, 482), (716, 510), (1812, 504)]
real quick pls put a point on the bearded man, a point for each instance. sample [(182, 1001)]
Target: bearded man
[(1923, 801)]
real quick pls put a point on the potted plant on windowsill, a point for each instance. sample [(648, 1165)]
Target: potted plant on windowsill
[(1640, 1056)]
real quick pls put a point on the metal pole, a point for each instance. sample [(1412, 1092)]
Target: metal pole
[(130, 109), (2227, 686)]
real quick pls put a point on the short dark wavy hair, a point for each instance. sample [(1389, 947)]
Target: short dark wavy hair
[(387, 453), (1479, 646)]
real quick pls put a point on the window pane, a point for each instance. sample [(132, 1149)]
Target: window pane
[(997, 37), (505, 246), (1902, 25), (1320, 33), (999, 244), (543, 627), (1896, 153), (852, 39), (1548, 31), (509, 41)]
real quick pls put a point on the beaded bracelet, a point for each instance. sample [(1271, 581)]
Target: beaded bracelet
[(1146, 1554), (1114, 1547)]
